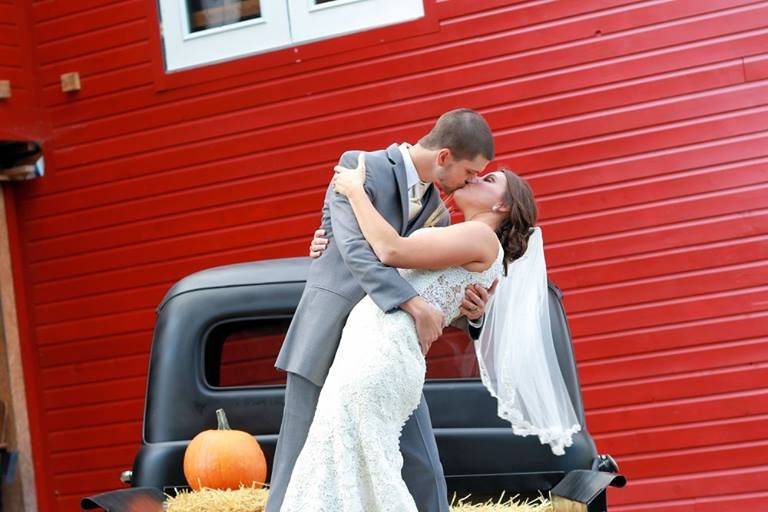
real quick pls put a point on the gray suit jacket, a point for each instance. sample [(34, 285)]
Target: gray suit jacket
[(348, 269)]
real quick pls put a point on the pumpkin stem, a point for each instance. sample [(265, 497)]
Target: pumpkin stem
[(223, 423)]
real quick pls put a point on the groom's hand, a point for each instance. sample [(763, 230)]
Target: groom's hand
[(318, 244), (475, 299), (428, 319)]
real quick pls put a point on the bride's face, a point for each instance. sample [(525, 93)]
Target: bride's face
[(482, 193)]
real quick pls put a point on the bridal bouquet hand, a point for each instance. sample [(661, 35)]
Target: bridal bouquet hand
[(347, 181)]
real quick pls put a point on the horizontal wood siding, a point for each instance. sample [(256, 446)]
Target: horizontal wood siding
[(642, 127), (21, 117)]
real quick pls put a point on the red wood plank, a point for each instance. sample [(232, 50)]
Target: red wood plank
[(668, 362), (98, 67), (671, 286), (100, 371), (56, 9), (696, 333), (242, 202), (700, 434), (72, 462), (92, 41), (169, 271), (86, 19), (756, 67), (674, 387), (670, 60), (76, 396), (161, 226), (749, 300), (677, 412), (268, 231), (118, 411), (98, 305), (548, 107), (700, 485), (83, 351), (171, 135)]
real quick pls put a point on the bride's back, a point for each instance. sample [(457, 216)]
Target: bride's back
[(444, 288)]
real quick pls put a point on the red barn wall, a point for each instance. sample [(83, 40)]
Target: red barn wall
[(21, 117), (642, 127)]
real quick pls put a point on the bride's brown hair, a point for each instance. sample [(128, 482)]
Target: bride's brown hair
[(517, 226)]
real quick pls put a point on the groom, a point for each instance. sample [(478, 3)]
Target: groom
[(399, 181)]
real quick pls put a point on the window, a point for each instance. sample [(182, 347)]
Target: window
[(196, 32), (201, 31), (243, 353), (452, 356)]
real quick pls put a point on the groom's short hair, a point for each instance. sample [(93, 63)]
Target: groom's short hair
[(464, 131)]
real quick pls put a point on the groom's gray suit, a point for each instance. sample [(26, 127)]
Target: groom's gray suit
[(347, 270)]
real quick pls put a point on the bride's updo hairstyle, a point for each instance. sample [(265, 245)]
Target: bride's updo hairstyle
[(518, 224)]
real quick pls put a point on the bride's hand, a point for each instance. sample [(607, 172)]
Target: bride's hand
[(348, 181)]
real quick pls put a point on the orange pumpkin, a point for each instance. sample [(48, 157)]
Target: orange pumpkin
[(224, 458)]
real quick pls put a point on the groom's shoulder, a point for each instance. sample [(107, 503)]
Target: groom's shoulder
[(378, 156), (376, 162)]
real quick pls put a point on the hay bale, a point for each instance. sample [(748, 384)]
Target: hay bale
[(244, 499), (252, 499), (538, 504)]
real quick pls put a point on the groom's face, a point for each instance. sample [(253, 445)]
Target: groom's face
[(452, 174)]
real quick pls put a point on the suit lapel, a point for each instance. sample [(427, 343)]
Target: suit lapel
[(398, 167), (429, 202)]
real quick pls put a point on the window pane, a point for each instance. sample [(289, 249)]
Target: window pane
[(204, 14), (244, 353), (452, 356), (196, 32), (318, 2)]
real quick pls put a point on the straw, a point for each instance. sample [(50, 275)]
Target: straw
[(253, 499)]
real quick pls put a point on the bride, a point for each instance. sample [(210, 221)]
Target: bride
[(351, 460)]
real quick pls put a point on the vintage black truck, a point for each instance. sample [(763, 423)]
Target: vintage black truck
[(216, 337)]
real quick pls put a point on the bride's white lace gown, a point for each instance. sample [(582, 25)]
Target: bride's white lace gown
[(351, 460)]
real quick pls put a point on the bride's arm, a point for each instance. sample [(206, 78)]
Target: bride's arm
[(458, 244)]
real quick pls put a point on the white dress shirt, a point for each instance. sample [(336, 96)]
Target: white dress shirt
[(416, 187)]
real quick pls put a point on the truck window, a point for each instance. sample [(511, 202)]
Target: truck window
[(452, 356), (243, 353)]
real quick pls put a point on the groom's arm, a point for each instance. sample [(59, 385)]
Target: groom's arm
[(386, 287)]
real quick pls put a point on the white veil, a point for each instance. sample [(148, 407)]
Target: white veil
[(516, 354)]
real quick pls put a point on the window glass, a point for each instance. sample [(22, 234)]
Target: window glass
[(243, 353), (452, 356), (205, 14)]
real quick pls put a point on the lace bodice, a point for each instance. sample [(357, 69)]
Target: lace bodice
[(445, 288)]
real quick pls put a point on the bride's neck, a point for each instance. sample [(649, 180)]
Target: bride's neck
[(486, 216)]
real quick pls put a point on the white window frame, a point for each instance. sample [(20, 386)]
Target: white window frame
[(184, 49), (283, 23), (310, 22)]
